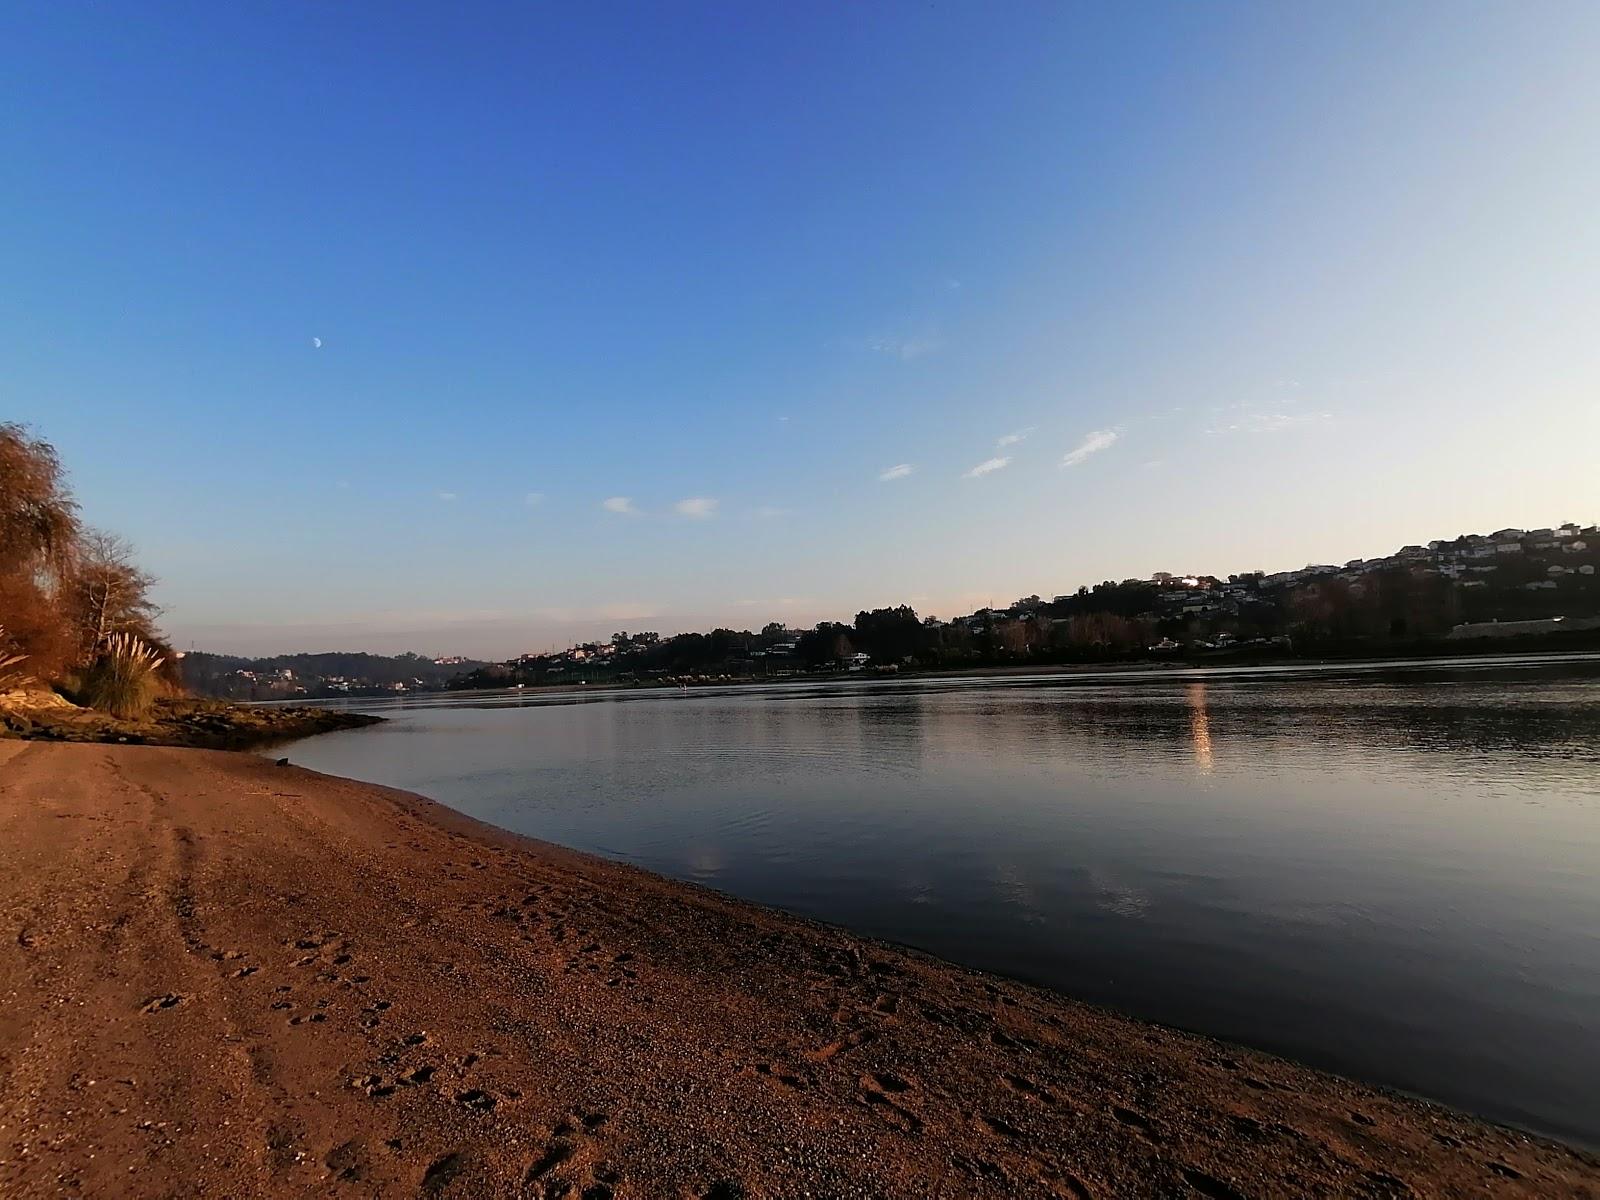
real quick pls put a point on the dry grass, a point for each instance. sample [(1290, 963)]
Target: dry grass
[(122, 680)]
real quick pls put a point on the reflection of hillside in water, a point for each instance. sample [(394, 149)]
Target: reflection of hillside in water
[(1554, 736)]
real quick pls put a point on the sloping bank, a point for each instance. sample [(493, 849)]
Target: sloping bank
[(173, 721), (227, 978)]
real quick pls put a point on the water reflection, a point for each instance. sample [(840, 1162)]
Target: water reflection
[(1200, 728), (1390, 872)]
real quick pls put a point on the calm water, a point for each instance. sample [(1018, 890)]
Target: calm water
[(1391, 872)]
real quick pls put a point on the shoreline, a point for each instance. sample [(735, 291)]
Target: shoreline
[(175, 721), (230, 976), (1145, 667)]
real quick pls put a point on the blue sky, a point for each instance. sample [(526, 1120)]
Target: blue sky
[(1298, 283)]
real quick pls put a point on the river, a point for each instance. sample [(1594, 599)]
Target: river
[(1390, 871)]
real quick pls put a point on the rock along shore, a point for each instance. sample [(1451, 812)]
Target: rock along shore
[(202, 724)]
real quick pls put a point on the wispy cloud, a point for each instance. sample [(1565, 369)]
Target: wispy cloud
[(987, 467), (446, 496), (620, 504), (698, 508), (1257, 421), (1100, 439), (626, 612), (533, 499), (896, 472), (780, 602), (905, 349), (1012, 439), (576, 614), (769, 512)]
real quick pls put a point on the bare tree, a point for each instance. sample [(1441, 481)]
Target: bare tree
[(107, 593)]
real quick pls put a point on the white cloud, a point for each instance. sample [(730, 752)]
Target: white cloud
[(446, 496), (533, 499), (316, 343), (905, 349), (1273, 422), (1100, 439), (620, 504), (987, 466), (697, 507), (1011, 439), (896, 472), (626, 612), (780, 602)]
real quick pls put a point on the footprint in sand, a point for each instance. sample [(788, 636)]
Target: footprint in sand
[(877, 1088), (775, 1073), (851, 1041), (1021, 1083), (477, 1100), (567, 1167), (1210, 1186), (999, 1128), (1133, 1120)]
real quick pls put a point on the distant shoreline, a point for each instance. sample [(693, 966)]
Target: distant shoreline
[(1455, 653)]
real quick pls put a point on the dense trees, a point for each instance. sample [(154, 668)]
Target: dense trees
[(890, 635), (65, 590), (1396, 604), (828, 643), (38, 517), (236, 678)]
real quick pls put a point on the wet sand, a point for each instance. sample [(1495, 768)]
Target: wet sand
[(221, 977)]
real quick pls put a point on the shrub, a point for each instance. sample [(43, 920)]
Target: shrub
[(34, 626), (122, 680)]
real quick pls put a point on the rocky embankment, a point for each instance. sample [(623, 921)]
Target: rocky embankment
[(204, 724)]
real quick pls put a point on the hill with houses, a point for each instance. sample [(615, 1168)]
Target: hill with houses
[(1511, 586)]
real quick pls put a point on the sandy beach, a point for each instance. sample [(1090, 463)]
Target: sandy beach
[(223, 977)]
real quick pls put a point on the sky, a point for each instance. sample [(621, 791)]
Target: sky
[(481, 329)]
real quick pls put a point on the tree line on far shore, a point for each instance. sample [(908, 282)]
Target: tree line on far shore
[(75, 608), (1391, 609)]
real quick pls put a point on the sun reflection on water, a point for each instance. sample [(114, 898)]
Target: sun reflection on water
[(1200, 729)]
